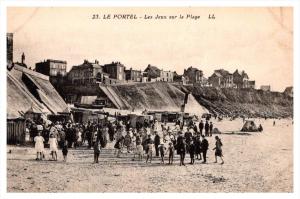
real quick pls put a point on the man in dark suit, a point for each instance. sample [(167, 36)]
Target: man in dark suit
[(204, 148), (156, 143), (206, 128), (201, 126)]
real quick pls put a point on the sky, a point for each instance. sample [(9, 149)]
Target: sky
[(257, 40)]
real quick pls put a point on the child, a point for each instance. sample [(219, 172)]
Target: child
[(127, 141), (171, 150), (197, 145), (118, 146), (162, 150), (139, 151), (39, 146), (192, 152), (218, 149), (96, 151), (53, 146), (65, 150), (149, 151), (133, 143)]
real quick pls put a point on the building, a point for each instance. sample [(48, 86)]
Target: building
[(87, 73), (265, 87), (116, 70), (289, 91), (151, 72), (55, 69), (52, 68), (240, 79), (133, 75), (251, 84), (166, 76), (193, 75), (154, 74), (221, 78), (9, 50)]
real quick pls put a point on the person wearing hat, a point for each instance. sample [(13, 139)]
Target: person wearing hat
[(127, 141), (188, 138), (218, 149), (192, 152), (181, 148), (156, 143), (149, 151), (201, 126), (211, 126), (197, 144), (204, 148), (206, 128), (97, 149)]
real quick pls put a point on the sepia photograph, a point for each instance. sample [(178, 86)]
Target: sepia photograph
[(150, 99)]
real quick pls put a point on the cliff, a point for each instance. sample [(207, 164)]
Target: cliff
[(243, 102)]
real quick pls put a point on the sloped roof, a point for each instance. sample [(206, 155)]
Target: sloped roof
[(87, 64), (152, 68), (241, 73), (20, 99), (152, 71), (222, 72), (192, 69)]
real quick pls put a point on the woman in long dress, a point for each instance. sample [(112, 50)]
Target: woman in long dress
[(53, 146)]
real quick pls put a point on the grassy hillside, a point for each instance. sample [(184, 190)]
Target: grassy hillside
[(247, 102), (151, 96)]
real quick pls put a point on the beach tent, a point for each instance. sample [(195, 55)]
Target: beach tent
[(216, 131), (249, 126)]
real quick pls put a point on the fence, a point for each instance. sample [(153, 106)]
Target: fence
[(15, 131)]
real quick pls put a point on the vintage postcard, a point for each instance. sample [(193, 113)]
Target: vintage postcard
[(150, 99)]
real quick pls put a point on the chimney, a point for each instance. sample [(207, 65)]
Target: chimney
[(23, 58)]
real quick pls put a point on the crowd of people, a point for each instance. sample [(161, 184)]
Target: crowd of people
[(145, 139)]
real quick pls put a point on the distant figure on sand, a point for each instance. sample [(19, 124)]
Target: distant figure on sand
[(156, 143), (260, 128), (139, 151), (171, 151), (149, 151), (274, 123), (192, 152), (204, 148), (65, 150), (162, 150), (218, 149), (201, 126), (197, 144), (97, 149), (181, 148), (211, 126), (118, 146), (206, 128), (39, 146)]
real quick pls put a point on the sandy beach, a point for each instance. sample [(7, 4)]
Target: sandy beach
[(254, 162)]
